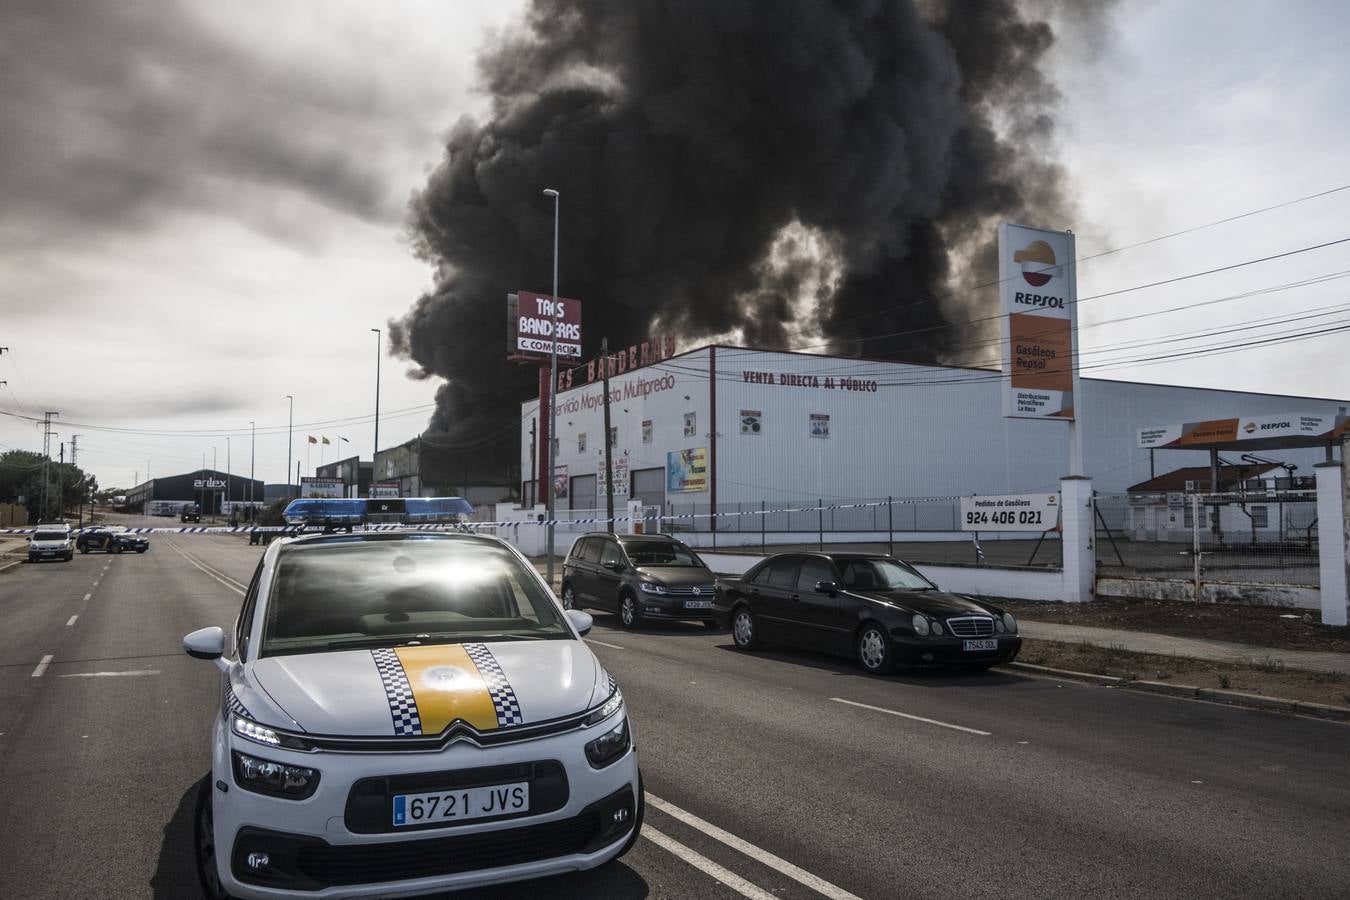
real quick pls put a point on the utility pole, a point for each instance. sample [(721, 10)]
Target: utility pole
[(290, 426), (252, 442), (46, 459), (61, 485), (378, 338), (553, 388), (609, 461), (227, 471), (74, 456), (534, 469)]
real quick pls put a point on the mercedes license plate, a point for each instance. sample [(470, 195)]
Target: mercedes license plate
[(697, 604), (460, 804), (970, 646)]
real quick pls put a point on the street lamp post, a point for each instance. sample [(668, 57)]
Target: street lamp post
[(227, 471), (215, 467), (252, 442), (378, 335), (553, 387), (290, 423)]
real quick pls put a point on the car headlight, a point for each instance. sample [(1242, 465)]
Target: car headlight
[(261, 734), (606, 709), (937, 627), (920, 624), (607, 748), (651, 587), (1010, 623), (277, 779), (998, 626)]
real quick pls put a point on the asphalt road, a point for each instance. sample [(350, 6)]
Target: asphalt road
[(777, 774)]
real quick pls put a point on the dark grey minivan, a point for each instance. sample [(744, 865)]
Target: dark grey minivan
[(640, 577)]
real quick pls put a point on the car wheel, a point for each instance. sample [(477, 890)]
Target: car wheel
[(569, 597), (744, 631), (874, 650), (142, 549), (70, 556), (84, 548), (204, 834), (629, 614)]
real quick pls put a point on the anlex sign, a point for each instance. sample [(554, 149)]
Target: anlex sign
[(1038, 296)]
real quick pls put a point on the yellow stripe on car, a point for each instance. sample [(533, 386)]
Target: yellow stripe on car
[(446, 686)]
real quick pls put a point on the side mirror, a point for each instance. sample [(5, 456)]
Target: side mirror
[(614, 566), (827, 587), (205, 643), (581, 621)]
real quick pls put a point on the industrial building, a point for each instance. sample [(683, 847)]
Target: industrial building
[(721, 428), (214, 491)]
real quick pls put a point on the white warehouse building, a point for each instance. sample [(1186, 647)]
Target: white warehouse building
[(726, 429)]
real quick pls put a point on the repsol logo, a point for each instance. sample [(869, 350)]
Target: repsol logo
[(1042, 300), (1271, 426)]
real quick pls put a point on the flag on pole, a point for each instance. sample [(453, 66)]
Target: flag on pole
[(313, 439), (325, 440)]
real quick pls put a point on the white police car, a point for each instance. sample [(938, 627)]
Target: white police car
[(406, 713)]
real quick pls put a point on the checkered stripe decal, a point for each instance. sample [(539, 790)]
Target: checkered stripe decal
[(402, 705), (499, 689), (229, 703)]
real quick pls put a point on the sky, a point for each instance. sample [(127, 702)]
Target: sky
[(204, 210)]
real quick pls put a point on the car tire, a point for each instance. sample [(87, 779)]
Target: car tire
[(569, 596), (84, 548), (873, 650), (142, 549), (204, 844), (630, 614), (70, 556), (744, 628), (115, 548)]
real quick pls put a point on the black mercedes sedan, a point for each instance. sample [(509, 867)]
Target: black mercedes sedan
[(875, 608), (111, 539)]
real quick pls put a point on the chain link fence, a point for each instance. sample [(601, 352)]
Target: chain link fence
[(1255, 536)]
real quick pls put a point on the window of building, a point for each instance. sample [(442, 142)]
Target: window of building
[(1260, 516), (646, 431), (581, 442)]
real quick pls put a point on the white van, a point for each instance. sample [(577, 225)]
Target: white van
[(51, 542)]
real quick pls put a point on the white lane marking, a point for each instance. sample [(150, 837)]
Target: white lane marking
[(238, 589), (602, 643), (86, 597), (71, 620), (892, 712), (702, 863), (764, 857), (109, 674), (42, 666)]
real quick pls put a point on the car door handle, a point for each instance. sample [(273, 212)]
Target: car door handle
[(795, 597)]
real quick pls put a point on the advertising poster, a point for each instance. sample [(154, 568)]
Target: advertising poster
[(621, 490), (751, 421), (690, 426), (1010, 512), (532, 319), (820, 425), (321, 487), (1038, 299), (687, 471), (560, 482)]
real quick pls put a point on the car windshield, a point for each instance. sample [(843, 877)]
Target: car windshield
[(381, 593), (881, 575), (661, 553), (49, 536)]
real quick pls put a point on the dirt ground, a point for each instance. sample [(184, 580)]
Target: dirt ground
[(1269, 679), (1262, 625)]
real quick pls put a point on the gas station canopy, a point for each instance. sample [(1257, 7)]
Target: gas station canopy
[(1266, 432)]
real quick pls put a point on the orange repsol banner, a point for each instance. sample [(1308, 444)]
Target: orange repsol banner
[(1038, 297)]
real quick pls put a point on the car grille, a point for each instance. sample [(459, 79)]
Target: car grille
[(692, 590), (370, 863), (971, 626)]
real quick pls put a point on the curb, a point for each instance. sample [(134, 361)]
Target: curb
[(1192, 692)]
